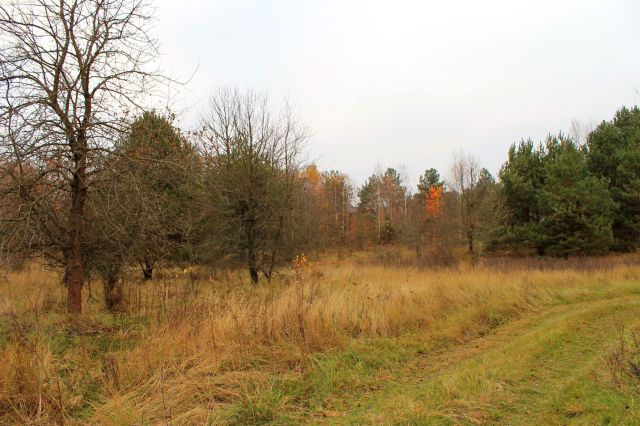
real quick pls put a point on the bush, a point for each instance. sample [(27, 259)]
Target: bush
[(623, 358)]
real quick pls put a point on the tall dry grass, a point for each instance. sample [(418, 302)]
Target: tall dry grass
[(184, 347)]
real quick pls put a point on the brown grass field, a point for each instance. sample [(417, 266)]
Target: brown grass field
[(317, 345)]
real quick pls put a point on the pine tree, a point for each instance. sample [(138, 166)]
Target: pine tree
[(614, 154), (551, 203), (521, 179), (576, 208)]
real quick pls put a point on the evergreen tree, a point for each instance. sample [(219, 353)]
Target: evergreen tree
[(145, 207), (521, 179), (614, 154), (550, 201), (575, 206), (486, 194), (430, 179)]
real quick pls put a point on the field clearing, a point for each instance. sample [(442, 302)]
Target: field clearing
[(341, 342)]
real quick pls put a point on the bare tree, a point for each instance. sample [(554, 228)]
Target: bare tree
[(254, 160), (579, 130), (339, 192), (465, 183), (70, 71)]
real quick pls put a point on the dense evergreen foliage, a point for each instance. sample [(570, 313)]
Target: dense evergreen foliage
[(614, 154), (560, 198)]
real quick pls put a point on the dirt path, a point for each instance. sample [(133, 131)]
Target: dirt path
[(547, 368)]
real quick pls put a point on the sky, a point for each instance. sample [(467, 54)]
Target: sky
[(404, 83)]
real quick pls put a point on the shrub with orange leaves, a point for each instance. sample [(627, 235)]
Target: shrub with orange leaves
[(302, 266), (300, 262)]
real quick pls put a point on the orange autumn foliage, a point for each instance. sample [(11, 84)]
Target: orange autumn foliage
[(434, 201), (312, 176)]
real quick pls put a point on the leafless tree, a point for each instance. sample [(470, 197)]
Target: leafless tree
[(472, 190), (339, 192), (254, 160), (70, 71), (579, 130), (463, 182)]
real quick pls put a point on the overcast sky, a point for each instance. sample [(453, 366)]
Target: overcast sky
[(410, 82)]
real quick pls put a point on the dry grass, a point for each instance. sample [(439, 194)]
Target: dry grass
[(623, 358), (185, 348)]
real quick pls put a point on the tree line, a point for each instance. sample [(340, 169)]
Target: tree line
[(558, 197), (95, 183)]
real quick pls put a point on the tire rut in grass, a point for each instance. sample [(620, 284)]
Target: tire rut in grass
[(516, 372)]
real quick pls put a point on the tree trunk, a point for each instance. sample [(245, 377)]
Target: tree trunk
[(147, 269), (272, 260), (74, 256), (252, 263), (472, 252), (251, 255), (74, 275), (74, 262), (112, 291), (253, 269), (147, 273)]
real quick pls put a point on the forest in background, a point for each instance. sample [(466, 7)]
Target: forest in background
[(94, 182), (229, 197)]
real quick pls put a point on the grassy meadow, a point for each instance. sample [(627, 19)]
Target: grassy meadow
[(369, 339)]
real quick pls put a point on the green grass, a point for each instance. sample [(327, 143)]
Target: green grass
[(545, 368), (489, 354)]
